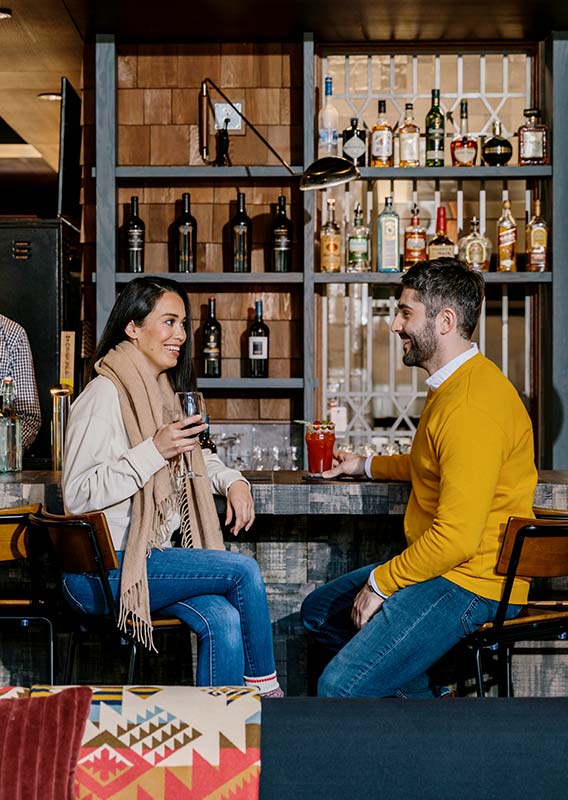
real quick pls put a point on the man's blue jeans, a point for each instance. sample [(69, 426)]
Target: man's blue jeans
[(220, 595), (390, 655)]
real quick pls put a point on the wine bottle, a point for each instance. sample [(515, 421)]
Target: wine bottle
[(205, 440), (212, 344), (186, 238), (258, 338), (282, 239), (241, 237), (10, 431), (135, 230)]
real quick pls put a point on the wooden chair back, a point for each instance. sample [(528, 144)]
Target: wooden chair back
[(79, 540), (536, 548), (13, 531)]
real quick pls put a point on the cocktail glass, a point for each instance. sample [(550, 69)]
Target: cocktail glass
[(319, 441)]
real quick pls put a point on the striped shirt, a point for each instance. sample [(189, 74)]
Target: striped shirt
[(16, 362)]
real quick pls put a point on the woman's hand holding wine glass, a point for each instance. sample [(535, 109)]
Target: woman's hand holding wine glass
[(178, 437)]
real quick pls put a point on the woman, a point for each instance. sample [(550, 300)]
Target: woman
[(122, 448)]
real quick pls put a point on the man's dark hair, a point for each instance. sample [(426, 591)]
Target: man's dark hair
[(447, 282)]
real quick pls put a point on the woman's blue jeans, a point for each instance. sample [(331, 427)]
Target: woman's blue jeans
[(220, 595), (390, 655)]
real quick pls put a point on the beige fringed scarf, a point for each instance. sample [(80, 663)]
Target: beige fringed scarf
[(147, 403)]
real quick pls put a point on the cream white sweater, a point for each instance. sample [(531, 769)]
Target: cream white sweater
[(101, 472)]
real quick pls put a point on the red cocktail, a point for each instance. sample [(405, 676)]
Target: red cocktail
[(320, 438)]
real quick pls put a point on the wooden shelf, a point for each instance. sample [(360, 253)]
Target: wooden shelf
[(250, 383)]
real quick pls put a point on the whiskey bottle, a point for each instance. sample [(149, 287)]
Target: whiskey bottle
[(282, 234), (533, 139), (328, 124), (463, 146), (506, 240), (258, 340), (358, 245), (496, 151), (414, 240), (241, 237), (435, 133), (409, 139), (330, 241), (186, 238), (10, 431), (381, 139), (474, 250), (441, 246), (536, 241), (355, 144), (212, 344), (388, 242), (135, 230)]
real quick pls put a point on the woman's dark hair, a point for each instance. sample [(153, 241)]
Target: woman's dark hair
[(135, 302), (448, 282)]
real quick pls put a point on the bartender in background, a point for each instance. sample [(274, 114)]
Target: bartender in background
[(16, 362)]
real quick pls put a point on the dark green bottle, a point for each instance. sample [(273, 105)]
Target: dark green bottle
[(435, 133)]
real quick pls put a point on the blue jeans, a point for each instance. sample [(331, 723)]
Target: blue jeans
[(390, 655), (220, 595)]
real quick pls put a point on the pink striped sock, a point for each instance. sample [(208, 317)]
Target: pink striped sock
[(264, 684)]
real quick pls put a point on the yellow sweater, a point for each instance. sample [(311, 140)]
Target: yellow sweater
[(471, 467)]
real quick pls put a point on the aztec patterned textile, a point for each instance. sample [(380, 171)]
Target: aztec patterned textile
[(168, 743)]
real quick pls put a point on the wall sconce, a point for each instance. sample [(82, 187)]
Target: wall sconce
[(321, 174)]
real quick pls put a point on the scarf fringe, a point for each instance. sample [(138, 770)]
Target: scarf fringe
[(140, 629)]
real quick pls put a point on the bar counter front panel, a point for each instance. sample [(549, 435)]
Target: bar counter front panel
[(308, 532)]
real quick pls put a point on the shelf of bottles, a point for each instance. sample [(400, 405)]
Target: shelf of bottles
[(432, 195)]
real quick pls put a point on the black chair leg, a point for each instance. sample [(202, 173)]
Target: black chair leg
[(132, 662), (504, 671), (70, 658), (479, 673)]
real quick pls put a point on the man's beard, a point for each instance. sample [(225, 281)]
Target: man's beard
[(423, 345)]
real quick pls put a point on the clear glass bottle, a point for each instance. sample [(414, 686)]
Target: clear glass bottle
[(381, 139), (358, 244), (441, 246), (475, 249), (536, 241), (282, 235), (463, 146), (388, 239), (414, 240), (409, 139), (435, 133), (533, 139), (355, 144), (506, 240), (330, 241), (496, 151), (328, 123), (10, 431), (241, 237), (135, 232)]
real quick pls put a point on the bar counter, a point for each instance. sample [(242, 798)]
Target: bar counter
[(285, 493)]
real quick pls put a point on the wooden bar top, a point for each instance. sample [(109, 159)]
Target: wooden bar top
[(284, 493)]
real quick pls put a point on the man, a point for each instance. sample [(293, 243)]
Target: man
[(471, 467), (16, 362)]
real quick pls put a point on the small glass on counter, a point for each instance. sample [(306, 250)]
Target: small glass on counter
[(320, 438)]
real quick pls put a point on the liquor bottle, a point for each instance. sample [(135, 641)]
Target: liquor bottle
[(186, 238), (205, 440), (441, 246), (355, 144), (414, 240), (328, 124), (10, 431), (533, 139), (496, 151), (506, 240), (388, 243), (409, 139), (358, 245), (381, 139), (463, 146), (258, 338), (475, 249), (282, 232), (536, 241), (135, 229), (212, 344), (435, 133), (241, 237), (330, 241)]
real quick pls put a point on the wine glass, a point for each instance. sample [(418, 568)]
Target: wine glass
[(190, 404)]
